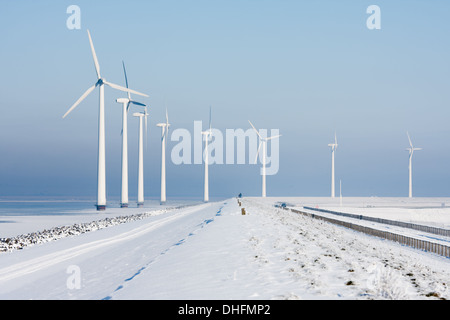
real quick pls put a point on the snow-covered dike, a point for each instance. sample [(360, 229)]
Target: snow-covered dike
[(212, 251)]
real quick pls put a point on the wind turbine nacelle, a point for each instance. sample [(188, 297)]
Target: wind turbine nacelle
[(137, 114), (122, 100)]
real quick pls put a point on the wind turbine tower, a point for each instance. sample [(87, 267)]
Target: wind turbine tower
[(208, 137), (100, 83), (333, 149), (126, 103), (263, 143), (411, 150), (141, 116), (164, 135)]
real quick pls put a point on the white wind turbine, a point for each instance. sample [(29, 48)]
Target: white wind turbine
[(411, 150), (263, 143), (333, 149), (208, 137), (141, 115), (126, 103), (101, 175), (164, 134)]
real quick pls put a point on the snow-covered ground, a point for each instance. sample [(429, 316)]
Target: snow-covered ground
[(434, 212), (211, 251)]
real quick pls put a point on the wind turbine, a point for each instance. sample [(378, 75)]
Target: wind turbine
[(101, 175), (411, 150), (208, 137), (164, 134), (126, 102), (333, 149), (263, 143), (141, 115)]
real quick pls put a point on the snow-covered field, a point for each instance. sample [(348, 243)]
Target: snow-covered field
[(434, 212), (211, 251)]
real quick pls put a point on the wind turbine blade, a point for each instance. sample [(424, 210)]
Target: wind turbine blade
[(97, 66), (255, 130), (257, 153), (88, 91), (126, 78), (210, 127), (137, 103), (274, 137), (335, 140), (125, 73), (117, 87), (167, 124), (409, 138), (146, 129), (210, 118)]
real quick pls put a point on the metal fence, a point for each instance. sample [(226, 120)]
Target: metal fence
[(434, 230), (412, 242)]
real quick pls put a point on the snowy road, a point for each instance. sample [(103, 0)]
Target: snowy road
[(104, 257), (211, 251)]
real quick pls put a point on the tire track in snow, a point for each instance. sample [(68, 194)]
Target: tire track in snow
[(178, 243), (43, 262)]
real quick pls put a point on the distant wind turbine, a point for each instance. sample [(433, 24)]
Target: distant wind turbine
[(126, 103), (333, 149), (411, 150), (208, 137), (263, 143), (141, 116), (101, 176), (164, 134)]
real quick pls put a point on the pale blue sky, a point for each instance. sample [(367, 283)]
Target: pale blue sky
[(308, 68)]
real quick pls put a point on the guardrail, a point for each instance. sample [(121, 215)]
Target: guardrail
[(434, 230), (405, 240)]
